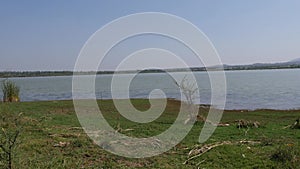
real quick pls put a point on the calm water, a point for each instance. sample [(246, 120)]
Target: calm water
[(255, 89)]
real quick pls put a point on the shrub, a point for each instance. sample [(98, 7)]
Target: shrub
[(10, 91), (282, 155), (10, 128), (288, 154)]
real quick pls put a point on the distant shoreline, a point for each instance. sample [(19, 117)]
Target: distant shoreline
[(203, 106), (11, 74)]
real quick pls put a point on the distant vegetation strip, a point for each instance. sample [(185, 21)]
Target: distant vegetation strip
[(8, 74)]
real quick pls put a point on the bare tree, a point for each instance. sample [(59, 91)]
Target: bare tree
[(9, 133), (189, 90)]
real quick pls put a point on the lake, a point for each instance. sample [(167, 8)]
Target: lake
[(252, 89)]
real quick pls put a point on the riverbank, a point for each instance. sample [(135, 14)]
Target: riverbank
[(51, 137)]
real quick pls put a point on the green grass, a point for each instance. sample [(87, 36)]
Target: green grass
[(48, 123)]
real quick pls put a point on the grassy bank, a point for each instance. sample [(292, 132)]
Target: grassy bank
[(51, 137)]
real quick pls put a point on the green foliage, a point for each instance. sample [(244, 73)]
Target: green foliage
[(10, 91)]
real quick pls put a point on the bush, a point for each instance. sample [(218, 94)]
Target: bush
[(10, 91), (10, 128), (288, 154), (282, 155)]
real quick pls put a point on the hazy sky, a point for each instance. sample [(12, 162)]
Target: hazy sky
[(48, 35)]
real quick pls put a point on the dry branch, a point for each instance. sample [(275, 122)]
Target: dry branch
[(198, 151)]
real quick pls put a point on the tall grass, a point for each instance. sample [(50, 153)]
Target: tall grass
[(10, 91)]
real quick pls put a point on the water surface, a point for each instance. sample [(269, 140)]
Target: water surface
[(253, 89)]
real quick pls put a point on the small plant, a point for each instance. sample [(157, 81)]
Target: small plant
[(10, 128), (285, 154), (10, 91)]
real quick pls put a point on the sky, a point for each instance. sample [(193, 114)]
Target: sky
[(48, 35)]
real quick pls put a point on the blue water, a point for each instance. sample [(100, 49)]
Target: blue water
[(253, 89)]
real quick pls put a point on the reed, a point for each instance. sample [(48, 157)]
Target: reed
[(10, 91)]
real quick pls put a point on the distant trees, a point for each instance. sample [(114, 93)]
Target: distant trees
[(35, 74)]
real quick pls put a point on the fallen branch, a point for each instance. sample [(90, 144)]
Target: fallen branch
[(65, 135), (197, 152), (203, 150), (61, 144), (120, 129), (295, 125), (75, 128)]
